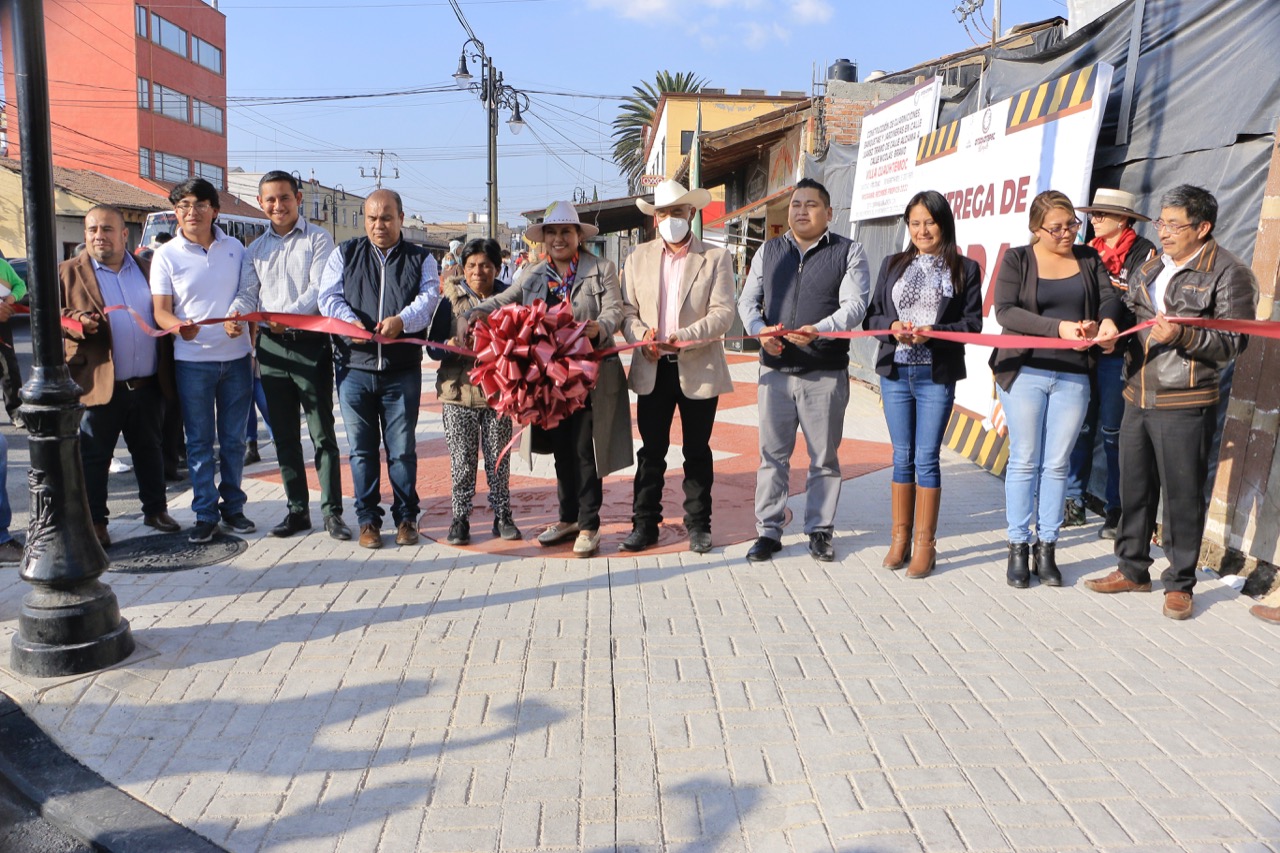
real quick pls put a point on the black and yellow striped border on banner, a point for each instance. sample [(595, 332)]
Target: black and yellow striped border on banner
[(940, 143), (966, 436), (1052, 100)]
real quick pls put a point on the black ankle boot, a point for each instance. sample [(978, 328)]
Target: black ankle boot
[(1046, 566), (1019, 572)]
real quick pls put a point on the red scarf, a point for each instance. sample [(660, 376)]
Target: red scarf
[(1113, 256)]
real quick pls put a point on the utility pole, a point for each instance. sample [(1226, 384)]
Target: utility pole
[(378, 173)]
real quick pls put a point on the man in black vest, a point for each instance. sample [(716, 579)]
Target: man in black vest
[(390, 287), (807, 281)]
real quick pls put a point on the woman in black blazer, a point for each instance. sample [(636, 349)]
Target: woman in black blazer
[(929, 287)]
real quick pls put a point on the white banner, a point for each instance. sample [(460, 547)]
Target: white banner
[(991, 164), (887, 150)]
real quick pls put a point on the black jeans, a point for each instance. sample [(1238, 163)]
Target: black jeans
[(10, 376), (578, 486), (1163, 452), (654, 413), (136, 414)]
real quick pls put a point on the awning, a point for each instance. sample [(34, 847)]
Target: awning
[(727, 150), (748, 209)]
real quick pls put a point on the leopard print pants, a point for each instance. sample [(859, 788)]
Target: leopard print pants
[(463, 429)]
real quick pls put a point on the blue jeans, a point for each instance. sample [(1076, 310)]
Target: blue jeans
[(259, 399), (1106, 410), (6, 511), (215, 397), (917, 410), (382, 408), (1044, 410)]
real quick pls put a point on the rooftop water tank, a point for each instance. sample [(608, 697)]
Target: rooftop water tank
[(843, 70)]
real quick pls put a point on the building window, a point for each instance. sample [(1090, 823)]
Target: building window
[(172, 168), (140, 16), (144, 94), (206, 115), (215, 175), (169, 35), (144, 162), (315, 208), (206, 54), (169, 102), (686, 141)]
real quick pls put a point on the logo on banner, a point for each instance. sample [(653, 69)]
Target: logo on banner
[(987, 136)]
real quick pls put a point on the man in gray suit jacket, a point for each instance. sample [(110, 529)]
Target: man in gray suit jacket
[(676, 289)]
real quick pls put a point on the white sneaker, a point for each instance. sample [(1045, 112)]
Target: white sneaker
[(558, 532), (587, 543), (119, 466)]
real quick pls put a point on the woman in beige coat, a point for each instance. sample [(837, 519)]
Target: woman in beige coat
[(594, 441)]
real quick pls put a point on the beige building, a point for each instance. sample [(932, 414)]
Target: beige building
[(332, 208)]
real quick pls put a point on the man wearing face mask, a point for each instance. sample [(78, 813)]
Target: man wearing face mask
[(676, 289)]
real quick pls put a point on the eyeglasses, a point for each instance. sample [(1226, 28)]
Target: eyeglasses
[(198, 207), (1094, 217), (1174, 230), (1056, 233)]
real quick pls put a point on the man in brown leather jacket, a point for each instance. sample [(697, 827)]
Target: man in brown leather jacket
[(1171, 394), (124, 374)]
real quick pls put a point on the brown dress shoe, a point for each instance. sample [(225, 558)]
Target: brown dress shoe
[(406, 533), (1177, 605), (163, 522), (100, 530), (1265, 613), (1117, 582), (370, 536)]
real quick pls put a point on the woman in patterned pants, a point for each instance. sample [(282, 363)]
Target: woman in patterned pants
[(469, 423)]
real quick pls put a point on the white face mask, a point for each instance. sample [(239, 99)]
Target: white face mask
[(674, 229)]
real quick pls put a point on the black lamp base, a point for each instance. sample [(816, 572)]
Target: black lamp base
[(70, 632)]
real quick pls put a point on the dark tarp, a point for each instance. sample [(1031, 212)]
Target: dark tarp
[(1205, 105), (1205, 108)]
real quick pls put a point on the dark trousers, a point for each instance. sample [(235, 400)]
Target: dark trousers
[(173, 441), (578, 486), (1163, 452), (137, 415), (10, 376), (297, 376), (654, 413)]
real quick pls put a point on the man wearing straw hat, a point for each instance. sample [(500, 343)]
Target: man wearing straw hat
[(675, 288), (1123, 254)]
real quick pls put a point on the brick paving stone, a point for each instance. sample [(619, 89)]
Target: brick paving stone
[(309, 696)]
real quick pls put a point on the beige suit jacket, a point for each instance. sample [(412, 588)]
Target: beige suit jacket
[(706, 311)]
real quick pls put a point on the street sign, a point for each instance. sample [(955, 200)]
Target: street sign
[(651, 180)]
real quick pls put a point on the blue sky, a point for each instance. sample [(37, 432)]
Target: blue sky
[(592, 49)]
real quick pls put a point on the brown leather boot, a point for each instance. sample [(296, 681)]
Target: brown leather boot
[(926, 550), (903, 500)]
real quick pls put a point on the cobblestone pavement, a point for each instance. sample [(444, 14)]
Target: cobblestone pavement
[(311, 696)]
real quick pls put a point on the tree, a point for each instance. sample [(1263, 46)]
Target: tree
[(636, 115)]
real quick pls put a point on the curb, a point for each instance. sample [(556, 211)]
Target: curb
[(80, 802)]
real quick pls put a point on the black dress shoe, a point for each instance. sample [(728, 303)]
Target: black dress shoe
[(1018, 574), (1046, 565), (337, 528), (640, 538), (294, 522), (764, 549), (700, 541), (820, 547), (1111, 526)]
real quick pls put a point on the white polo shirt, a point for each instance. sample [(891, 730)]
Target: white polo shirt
[(203, 284)]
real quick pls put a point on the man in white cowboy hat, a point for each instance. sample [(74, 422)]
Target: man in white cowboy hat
[(1123, 252), (675, 288), (807, 281)]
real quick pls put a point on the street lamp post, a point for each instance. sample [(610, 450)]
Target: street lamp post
[(331, 208), (495, 95), (70, 622)]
